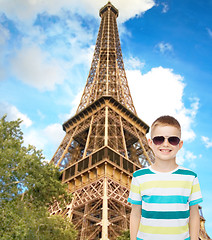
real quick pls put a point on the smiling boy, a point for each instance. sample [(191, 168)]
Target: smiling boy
[(165, 196)]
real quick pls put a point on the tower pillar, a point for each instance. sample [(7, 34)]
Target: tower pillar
[(105, 222)]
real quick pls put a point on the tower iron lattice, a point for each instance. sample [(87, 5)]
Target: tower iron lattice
[(105, 143)]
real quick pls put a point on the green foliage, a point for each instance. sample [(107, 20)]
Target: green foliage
[(125, 235), (28, 185)]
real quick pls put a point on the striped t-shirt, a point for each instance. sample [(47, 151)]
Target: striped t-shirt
[(165, 200)]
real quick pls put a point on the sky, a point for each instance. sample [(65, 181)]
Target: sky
[(46, 49)]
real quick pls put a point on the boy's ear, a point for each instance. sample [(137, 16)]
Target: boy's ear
[(180, 144), (150, 142)]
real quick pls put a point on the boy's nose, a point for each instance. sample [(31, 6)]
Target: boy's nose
[(166, 142)]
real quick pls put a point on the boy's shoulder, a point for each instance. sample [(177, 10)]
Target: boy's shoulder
[(142, 171), (185, 171)]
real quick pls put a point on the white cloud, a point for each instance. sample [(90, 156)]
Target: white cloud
[(40, 114), (54, 133), (207, 141), (40, 69), (26, 10), (41, 62), (33, 35), (13, 114), (133, 63), (209, 32), (2, 71), (185, 156), (190, 157), (47, 139), (73, 105), (78, 32), (123, 31), (4, 35), (129, 9), (165, 7), (81, 55), (164, 47), (160, 92), (36, 138), (36, 68)]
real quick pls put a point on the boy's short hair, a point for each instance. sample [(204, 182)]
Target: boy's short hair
[(166, 120)]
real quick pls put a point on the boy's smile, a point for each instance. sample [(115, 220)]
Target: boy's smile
[(165, 150)]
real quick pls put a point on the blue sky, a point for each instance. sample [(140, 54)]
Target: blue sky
[(46, 51)]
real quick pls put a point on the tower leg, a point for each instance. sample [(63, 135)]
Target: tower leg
[(105, 212)]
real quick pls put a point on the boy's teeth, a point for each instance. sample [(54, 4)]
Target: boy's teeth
[(165, 150)]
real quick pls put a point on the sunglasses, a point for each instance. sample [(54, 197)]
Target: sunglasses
[(158, 140)]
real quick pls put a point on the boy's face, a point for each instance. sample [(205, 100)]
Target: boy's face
[(165, 151)]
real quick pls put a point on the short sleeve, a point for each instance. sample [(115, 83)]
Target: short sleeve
[(135, 195), (195, 196)]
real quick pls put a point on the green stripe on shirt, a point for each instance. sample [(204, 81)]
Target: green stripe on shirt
[(165, 215), (185, 172), (142, 172), (165, 199)]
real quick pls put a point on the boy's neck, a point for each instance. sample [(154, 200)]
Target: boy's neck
[(164, 166)]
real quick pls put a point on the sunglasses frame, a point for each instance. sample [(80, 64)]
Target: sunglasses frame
[(170, 138)]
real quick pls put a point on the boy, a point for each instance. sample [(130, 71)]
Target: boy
[(165, 196)]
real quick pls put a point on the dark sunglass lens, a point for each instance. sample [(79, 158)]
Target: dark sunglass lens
[(174, 140), (158, 140)]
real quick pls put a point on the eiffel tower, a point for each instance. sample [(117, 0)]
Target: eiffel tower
[(105, 143)]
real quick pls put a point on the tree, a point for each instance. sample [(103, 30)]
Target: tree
[(28, 186), (124, 236)]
